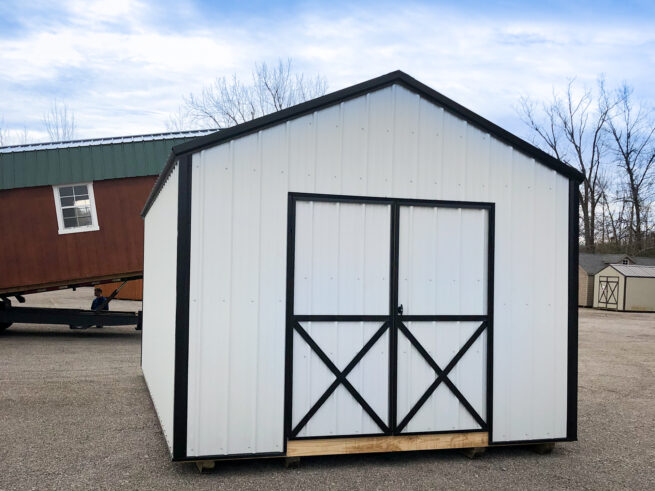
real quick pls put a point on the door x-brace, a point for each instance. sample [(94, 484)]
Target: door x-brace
[(608, 292), (341, 377), (442, 376)]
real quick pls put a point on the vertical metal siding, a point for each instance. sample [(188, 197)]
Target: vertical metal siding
[(159, 292), (342, 259), (442, 261), (341, 268), (442, 271), (388, 143)]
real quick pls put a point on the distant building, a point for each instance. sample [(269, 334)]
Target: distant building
[(590, 265), (625, 287), (70, 211)]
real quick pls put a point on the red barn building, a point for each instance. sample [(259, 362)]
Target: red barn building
[(70, 211)]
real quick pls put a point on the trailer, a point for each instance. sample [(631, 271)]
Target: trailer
[(358, 273), (10, 313)]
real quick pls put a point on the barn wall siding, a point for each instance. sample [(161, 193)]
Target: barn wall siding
[(639, 294), (115, 249), (585, 288), (590, 290), (159, 302), (390, 143)]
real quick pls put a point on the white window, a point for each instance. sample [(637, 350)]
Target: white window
[(76, 208), (625, 261)]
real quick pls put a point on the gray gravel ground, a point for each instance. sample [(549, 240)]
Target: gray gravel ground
[(75, 414)]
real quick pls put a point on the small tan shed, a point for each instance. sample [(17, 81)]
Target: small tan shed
[(588, 265), (625, 287)]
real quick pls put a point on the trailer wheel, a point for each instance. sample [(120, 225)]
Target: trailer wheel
[(5, 303)]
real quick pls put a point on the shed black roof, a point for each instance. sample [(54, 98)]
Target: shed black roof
[(397, 77)]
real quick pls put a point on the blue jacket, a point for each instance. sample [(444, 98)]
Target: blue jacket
[(97, 302)]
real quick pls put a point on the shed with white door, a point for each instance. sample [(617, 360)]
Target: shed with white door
[(378, 269)]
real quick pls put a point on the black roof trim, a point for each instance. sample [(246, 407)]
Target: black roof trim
[(397, 77)]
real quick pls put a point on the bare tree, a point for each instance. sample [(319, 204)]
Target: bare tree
[(4, 133), (633, 137), (180, 120), (59, 122), (227, 102), (570, 127), (24, 136)]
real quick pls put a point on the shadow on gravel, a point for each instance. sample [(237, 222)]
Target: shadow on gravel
[(17, 331)]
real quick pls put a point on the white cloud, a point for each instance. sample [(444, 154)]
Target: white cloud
[(122, 70)]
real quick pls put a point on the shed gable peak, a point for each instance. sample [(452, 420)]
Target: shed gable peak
[(394, 78)]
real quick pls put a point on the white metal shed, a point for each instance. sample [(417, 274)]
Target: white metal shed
[(378, 269)]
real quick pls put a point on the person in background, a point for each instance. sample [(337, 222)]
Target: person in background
[(97, 304), (99, 300)]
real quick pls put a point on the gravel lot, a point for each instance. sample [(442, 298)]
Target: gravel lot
[(75, 414)]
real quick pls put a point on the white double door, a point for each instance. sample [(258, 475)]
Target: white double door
[(387, 316)]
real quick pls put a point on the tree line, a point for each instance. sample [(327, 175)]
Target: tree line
[(58, 123), (610, 138)]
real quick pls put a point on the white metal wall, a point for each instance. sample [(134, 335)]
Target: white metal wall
[(388, 143), (159, 300)]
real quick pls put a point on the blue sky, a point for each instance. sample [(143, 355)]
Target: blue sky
[(122, 66)]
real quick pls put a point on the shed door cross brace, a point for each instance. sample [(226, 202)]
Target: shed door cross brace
[(341, 378), (608, 291), (442, 376)]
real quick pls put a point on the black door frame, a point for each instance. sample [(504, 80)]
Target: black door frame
[(393, 321)]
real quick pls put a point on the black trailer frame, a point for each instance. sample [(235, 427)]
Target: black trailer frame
[(73, 317)]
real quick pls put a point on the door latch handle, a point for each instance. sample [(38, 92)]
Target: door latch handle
[(400, 309)]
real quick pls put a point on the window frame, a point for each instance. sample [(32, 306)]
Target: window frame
[(60, 217)]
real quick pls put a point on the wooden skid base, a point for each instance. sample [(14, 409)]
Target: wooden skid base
[(204, 465), (376, 444)]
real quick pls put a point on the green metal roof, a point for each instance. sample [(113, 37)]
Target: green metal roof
[(88, 160)]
